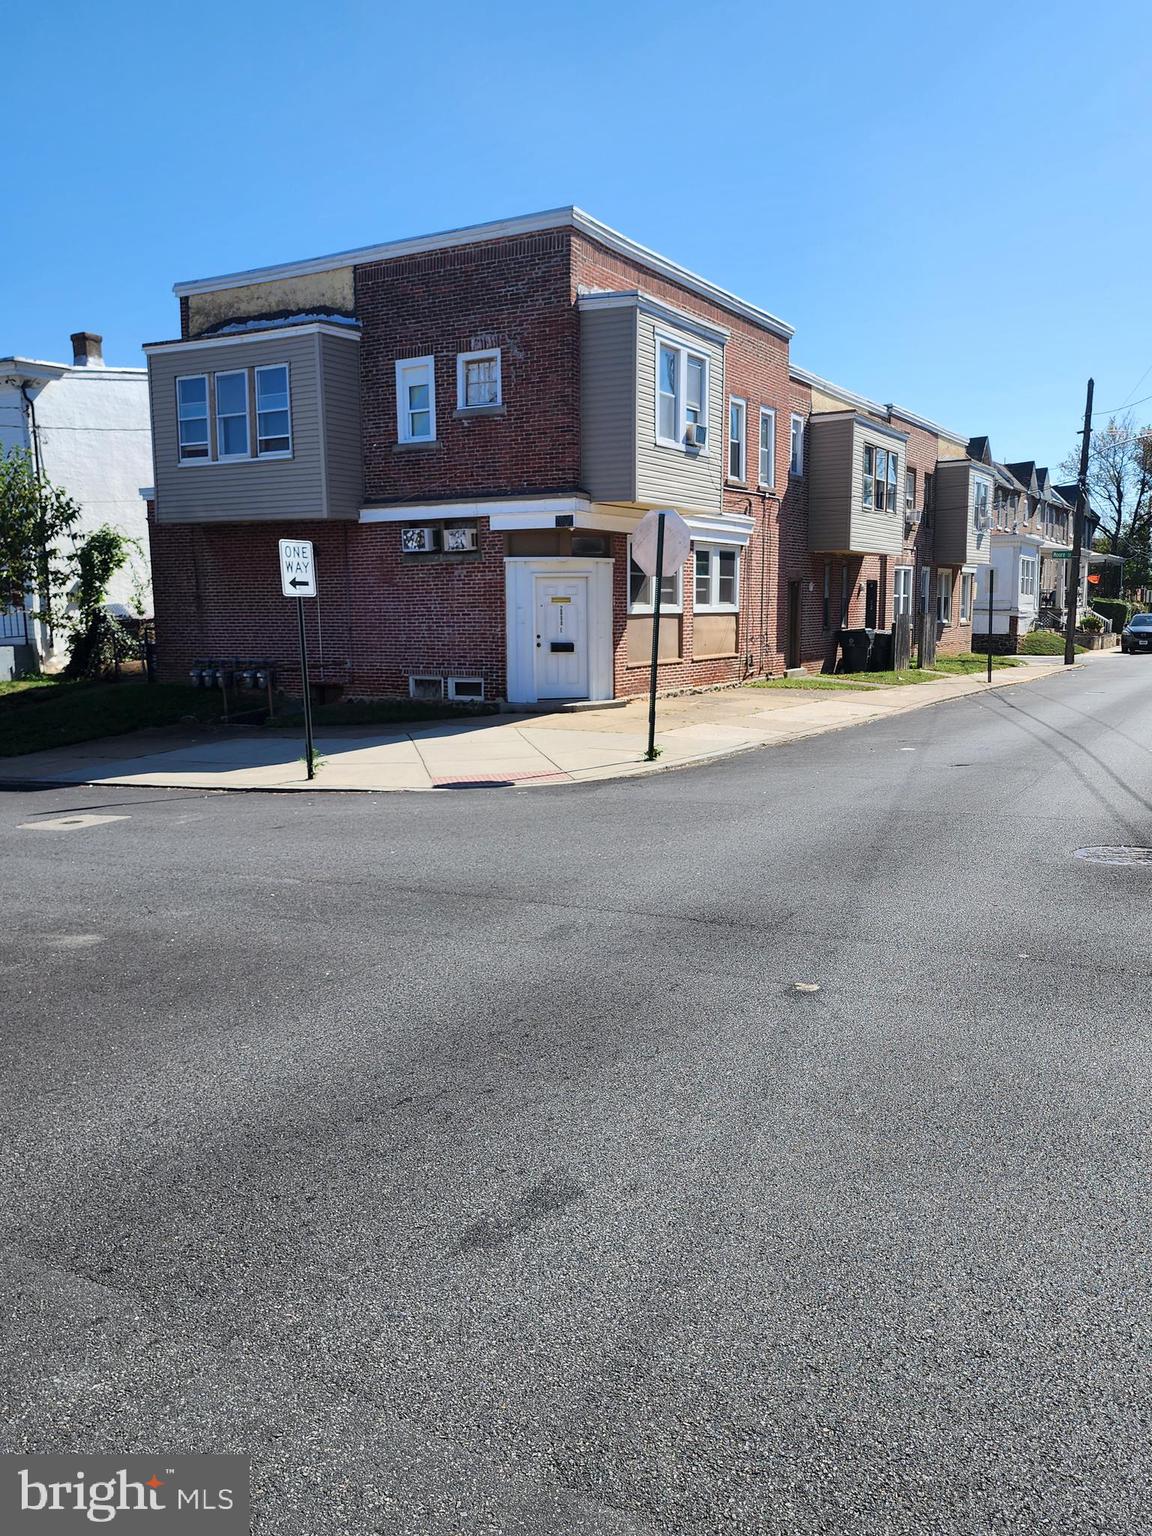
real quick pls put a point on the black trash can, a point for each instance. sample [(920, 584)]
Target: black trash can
[(880, 657), (855, 648)]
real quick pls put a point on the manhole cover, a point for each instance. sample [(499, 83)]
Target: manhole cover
[(1115, 855)]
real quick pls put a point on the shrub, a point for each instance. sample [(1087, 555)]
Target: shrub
[(1114, 608), (1092, 623), (1043, 642)]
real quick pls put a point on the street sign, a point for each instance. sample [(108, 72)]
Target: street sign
[(677, 542), (1061, 554), (297, 568), (298, 580)]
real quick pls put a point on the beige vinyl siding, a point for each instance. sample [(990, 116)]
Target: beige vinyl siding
[(838, 521), (608, 403), (255, 490), (340, 400), (956, 539), (677, 477)]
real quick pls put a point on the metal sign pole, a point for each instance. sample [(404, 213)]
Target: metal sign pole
[(659, 580), (991, 594), (309, 750)]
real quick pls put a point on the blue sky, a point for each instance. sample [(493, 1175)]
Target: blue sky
[(900, 183)]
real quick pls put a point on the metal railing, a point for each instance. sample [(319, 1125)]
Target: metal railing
[(14, 625)]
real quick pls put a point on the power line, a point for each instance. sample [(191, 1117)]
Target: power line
[(1127, 405)]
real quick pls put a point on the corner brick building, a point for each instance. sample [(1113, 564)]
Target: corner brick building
[(468, 426)]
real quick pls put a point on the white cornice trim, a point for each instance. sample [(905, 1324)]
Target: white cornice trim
[(541, 506), (31, 370), (722, 528), (199, 343), (667, 314), (875, 407), (472, 234), (818, 418)]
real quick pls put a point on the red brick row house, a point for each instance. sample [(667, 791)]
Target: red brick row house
[(469, 426)]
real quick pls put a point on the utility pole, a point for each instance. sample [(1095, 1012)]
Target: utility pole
[(1078, 533)]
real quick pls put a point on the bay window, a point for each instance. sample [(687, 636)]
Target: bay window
[(881, 478), (232, 415), (192, 417), (273, 420), (681, 395)]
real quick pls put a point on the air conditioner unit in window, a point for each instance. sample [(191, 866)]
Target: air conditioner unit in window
[(457, 539), (418, 541), (912, 516), (696, 434)]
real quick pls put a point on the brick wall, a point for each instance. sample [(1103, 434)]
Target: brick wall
[(511, 294)]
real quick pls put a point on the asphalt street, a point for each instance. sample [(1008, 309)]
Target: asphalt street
[(470, 1161)]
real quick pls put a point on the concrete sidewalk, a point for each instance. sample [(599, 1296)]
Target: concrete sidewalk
[(494, 750)]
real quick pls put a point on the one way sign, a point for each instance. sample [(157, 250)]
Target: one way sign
[(297, 568)]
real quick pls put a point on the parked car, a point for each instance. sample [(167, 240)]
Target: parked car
[(1137, 634)]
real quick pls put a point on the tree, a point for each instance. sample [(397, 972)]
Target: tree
[(1119, 478), (99, 639), (37, 524)]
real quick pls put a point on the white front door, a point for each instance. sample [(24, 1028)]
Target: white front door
[(561, 637)]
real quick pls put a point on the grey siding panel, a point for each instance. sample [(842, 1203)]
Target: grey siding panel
[(675, 476), (829, 470), (340, 374), (837, 517), (958, 542), (608, 404), (254, 490)]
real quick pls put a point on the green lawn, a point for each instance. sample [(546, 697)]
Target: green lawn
[(49, 713), (816, 684), (970, 662)]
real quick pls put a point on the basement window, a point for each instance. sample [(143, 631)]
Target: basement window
[(465, 687), (425, 687)]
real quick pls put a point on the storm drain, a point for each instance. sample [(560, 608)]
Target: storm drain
[(1115, 855)]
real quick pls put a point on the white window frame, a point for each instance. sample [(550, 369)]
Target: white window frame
[(967, 595), (675, 605), (796, 444), (909, 489), (683, 353), (406, 365), (767, 415), (454, 688), (713, 551), (486, 354), (944, 596), (232, 373), (902, 601), (740, 409), (1028, 563), (206, 456), (274, 453), (981, 501)]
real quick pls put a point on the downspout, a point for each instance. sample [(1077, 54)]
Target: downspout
[(38, 467)]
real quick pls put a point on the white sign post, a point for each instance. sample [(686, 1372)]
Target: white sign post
[(661, 544), (298, 580)]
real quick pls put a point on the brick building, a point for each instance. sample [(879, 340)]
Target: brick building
[(469, 425)]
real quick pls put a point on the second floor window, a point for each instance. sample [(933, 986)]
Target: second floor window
[(737, 438), (273, 423), (232, 415), (478, 381), (681, 394), (767, 447), (980, 503), (415, 400), (881, 478), (192, 417), (796, 461), (909, 490)]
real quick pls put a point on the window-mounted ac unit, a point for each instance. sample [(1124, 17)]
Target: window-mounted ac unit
[(912, 516), (696, 434), (418, 541), (459, 539)]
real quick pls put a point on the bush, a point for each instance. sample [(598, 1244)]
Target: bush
[(1043, 642), (1093, 624), (1114, 608)]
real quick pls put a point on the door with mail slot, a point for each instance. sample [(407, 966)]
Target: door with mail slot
[(562, 637)]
